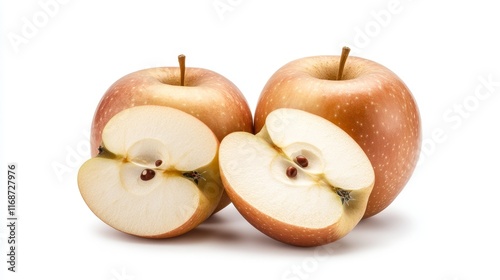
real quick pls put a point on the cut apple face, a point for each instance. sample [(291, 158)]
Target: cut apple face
[(301, 180), (156, 174)]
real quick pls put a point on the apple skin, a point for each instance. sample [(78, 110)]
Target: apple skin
[(371, 103), (206, 95)]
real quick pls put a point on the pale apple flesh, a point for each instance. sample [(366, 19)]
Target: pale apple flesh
[(321, 201), (156, 174), (370, 103)]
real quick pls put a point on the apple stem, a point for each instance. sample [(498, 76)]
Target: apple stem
[(182, 66), (343, 59)]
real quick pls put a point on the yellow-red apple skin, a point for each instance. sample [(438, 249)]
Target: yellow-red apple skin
[(206, 95), (371, 103)]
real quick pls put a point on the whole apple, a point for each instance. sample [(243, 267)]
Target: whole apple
[(202, 93), (370, 102)]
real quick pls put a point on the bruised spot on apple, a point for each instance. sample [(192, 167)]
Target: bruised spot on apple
[(301, 180), (369, 102), (137, 184)]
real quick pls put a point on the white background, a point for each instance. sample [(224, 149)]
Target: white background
[(444, 225)]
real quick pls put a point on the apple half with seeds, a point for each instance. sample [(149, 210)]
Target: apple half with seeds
[(156, 174), (301, 180)]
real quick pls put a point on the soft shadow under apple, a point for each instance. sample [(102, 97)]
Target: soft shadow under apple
[(377, 231), (209, 230), (230, 232)]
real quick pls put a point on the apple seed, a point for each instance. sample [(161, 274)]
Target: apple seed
[(302, 161), (147, 174), (158, 162), (194, 175), (291, 172)]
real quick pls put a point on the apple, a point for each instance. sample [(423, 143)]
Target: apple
[(367, 100), (156, 174), (301, 180), (202, 93)]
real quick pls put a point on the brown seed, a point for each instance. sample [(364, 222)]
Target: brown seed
[(291, 172), (158, 162), (302, 161), (147, 174)]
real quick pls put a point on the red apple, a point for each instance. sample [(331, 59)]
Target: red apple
[(202, 93), (370, 102)]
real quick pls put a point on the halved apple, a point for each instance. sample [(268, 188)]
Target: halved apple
[(156, 174), (301, 180)]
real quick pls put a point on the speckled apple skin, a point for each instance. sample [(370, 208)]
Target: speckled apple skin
[(371, 103)]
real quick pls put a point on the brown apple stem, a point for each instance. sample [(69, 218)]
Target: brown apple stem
[(182, 66), (343, 59)]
